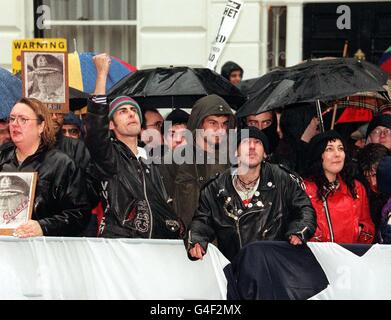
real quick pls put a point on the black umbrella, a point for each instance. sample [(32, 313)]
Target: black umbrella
[(177, 87), (246, 85), (313, 81)]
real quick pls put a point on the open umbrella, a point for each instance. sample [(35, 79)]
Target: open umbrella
[(177, 87), (359, 107), (313, 81), (369, 100), (82, 76), (10, 92), (246, 85)]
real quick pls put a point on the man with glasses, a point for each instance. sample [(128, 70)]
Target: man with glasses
[(379, 130), (151, 130)]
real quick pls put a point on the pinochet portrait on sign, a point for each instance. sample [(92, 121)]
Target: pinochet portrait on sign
[(46, 81), (16, 191), (45, 77)]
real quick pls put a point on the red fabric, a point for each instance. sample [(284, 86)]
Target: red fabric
[(354, 114), (386, 66), (130, 67), (346, 214), (98, 211)]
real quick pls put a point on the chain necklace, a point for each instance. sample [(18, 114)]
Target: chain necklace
[(245, 190)]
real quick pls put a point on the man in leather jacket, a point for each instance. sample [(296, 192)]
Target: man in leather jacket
[(255, 201), (132, 192)]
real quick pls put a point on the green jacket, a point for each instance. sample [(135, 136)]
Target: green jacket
[(190, 178)]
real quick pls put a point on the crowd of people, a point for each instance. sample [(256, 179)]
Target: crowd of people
[(204, 177)]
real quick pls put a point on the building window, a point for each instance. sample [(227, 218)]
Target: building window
[(276, 37), (95, 25)]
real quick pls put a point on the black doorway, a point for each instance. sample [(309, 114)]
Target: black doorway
[(370, 30)]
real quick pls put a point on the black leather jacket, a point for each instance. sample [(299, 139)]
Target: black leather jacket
[(78, 152), (132, 192), (279, 208), (60, 205)]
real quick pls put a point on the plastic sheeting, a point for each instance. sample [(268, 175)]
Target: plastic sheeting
[(97, 268)]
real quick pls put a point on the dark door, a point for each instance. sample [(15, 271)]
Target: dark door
[(370, 30)]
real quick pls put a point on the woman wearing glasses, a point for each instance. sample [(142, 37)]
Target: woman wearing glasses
[(340, 201), (60, 203)]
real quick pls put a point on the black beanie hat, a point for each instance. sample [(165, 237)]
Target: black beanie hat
[(318, 144), (252, 132), (383, 120), (178, 116)]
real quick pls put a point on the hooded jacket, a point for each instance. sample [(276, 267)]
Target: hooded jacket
[(278, 209), (291, 150), (191, 177), (228, 67), (270, 132), (132, 192), (60, 203)]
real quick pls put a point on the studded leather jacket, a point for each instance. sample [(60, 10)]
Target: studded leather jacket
[(133, 196), (279, 208)]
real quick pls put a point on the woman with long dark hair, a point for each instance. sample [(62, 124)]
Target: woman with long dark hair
[(340, 201)]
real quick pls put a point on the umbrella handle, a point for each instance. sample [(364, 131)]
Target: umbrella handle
[(320, 117), (334, 116)]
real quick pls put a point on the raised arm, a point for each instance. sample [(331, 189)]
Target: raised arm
[(98, 138)]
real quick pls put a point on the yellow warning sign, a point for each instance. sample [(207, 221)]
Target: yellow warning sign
[(54, 44)]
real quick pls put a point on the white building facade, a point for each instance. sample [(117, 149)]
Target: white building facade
[(150, 33)]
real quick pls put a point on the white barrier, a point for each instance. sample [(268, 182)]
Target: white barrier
[(97, 268), (351, 276)]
